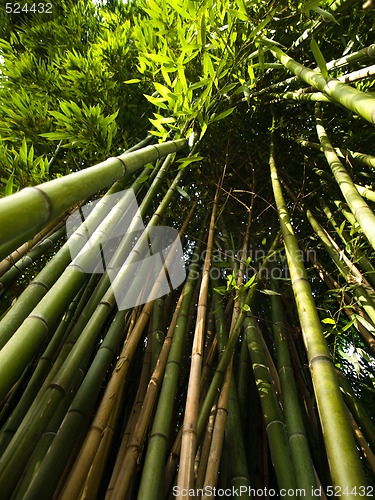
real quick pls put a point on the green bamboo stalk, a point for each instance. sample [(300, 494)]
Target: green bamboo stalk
[(298, 443), (357, 409), (366, 52), (359, 102), (158, 332), (29, 210), (368, 160), (29, 396), (273, 418), (16, 270), (298, 96), (361, 211), (343, 460), (58, 264)]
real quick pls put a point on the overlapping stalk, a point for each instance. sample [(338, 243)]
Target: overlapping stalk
[(359, 102), (345, 467), (151, 481), (189, 426)]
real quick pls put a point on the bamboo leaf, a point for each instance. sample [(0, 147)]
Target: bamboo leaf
[(183, 192), (327, 16), (268, 292), (319, 58), (329, 321), (223, 114)]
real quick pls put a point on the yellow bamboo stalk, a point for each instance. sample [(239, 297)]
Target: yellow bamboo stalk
[(94, 476), (189, 426), (141, 392), (205, 449), (134, 448), (213, 464)]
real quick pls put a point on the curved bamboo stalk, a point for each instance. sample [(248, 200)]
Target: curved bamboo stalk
[(34, 207), (344, 463)]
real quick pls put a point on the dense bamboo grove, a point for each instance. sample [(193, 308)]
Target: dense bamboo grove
[(187, 235)]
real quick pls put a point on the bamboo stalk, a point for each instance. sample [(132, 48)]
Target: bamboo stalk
[(299, 448), (361, 211), (151, 480), (137, 406), (365, 159), (205, 450), (366, 450), (189, 426), (359, 102), (273, 419), (344, 463), (134, 448), (29, 210), (213, 463)]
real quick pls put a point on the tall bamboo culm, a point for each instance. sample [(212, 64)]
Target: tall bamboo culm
[(344, 463)]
